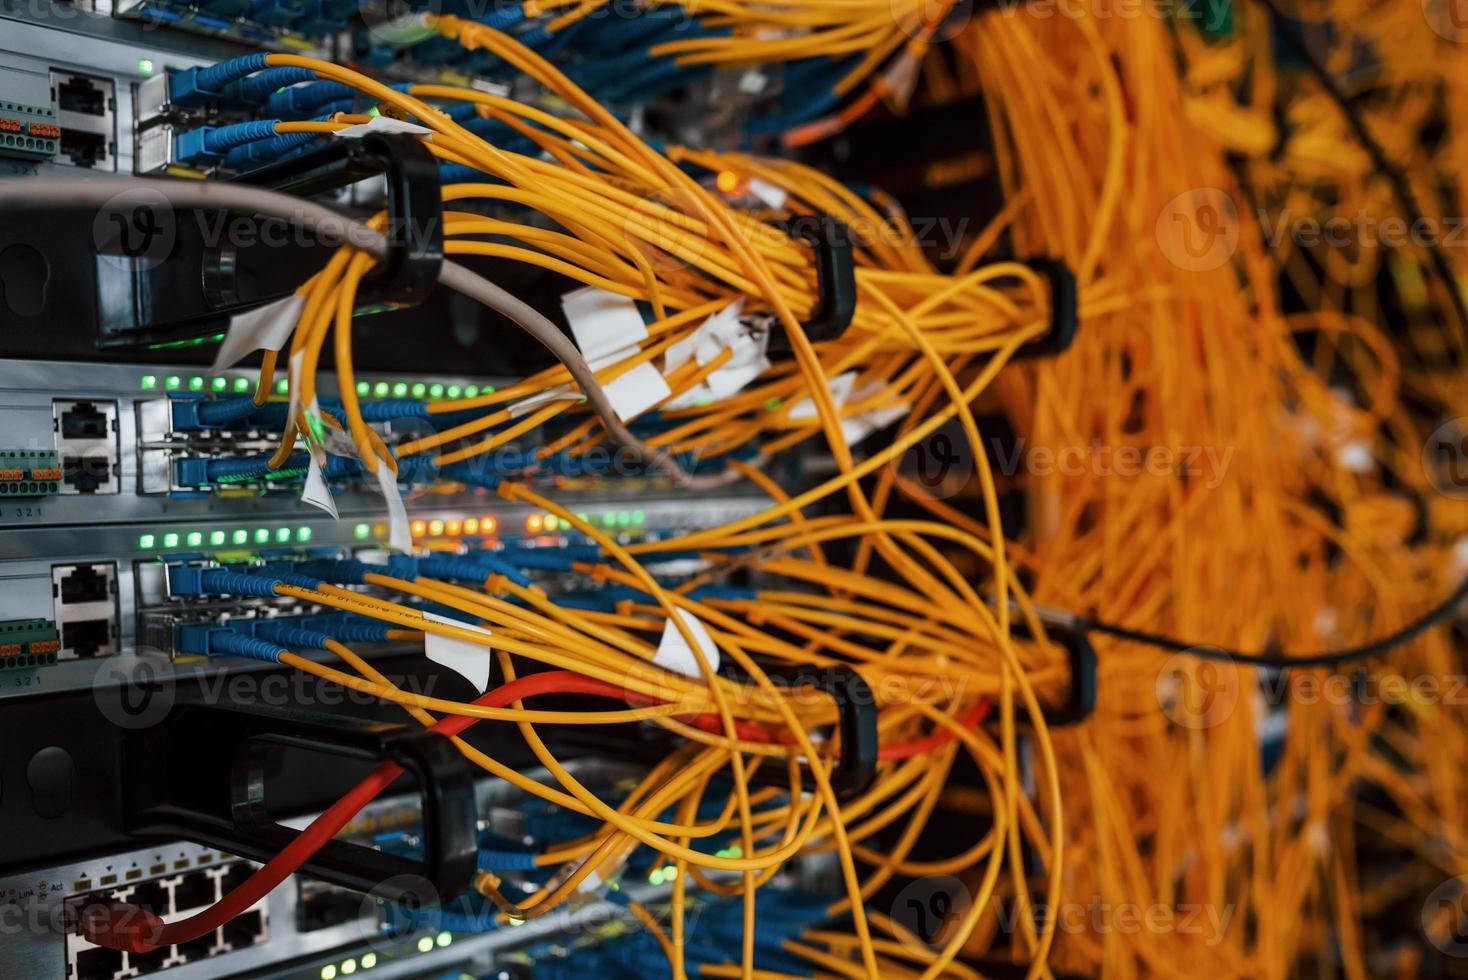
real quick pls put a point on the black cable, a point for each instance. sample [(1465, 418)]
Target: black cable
[(1401, 187)]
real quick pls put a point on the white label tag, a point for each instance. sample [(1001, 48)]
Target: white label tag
[(772, 195), (317, 493), (470, 661), (840, 387), (383, 124), (602, 322), (675, 655), (720, 332), (636, 391), (399, 538), (529, 404), (265, 328)]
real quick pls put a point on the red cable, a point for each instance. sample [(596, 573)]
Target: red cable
[(940, 738), (135, 929)]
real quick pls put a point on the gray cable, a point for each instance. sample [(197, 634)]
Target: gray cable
[(334, 227)]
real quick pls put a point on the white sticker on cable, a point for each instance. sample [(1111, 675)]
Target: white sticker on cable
[(715, 328), (383, 124), (772, 195), (527, 405), (636, 391), (602, 322), (675, 655), (317, 493), (266, 327), (840, 388), (467, 659), (399, 538)]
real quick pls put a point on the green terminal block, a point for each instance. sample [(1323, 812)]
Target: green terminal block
[(29, 473), (28, 643), (29, 131)]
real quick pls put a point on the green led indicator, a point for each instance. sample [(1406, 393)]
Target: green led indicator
[(623, 518), (262, 535), (419, 390), (487, 390), (380, 389), (172, 382), (170, 540), (362, 531), (196, 383), (195, 538), (639, 517), (328, 972), (283, 535), (363, 389), (471, 390), (242, 385), (455, 391), (146, 540), (435, 391), (608, 519), (772, 404), (220, 384), (282, 386), (399, 390), (550, 522), (656, 877), (583, 518), (217, 538), (349, 967), (444, 938), (425, 944), (241, 536), (369, 960), (149, 382), (303, 534), (145, 66)]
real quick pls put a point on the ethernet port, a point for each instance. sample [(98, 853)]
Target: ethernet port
[(235, 875), (86, 474), (87, 637), (245, 930), (193, 890), (83, 420), (322, 906), (85, 583), (97, 964), (83, 149), (197, 949), (152, 896), (78, 93), (151, 961)]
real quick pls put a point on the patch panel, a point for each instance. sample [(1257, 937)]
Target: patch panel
[(171, 897)]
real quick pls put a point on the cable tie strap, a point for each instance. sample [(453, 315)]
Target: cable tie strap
[(1064, 314)]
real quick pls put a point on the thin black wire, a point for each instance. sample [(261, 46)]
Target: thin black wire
[(1402, 188)]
